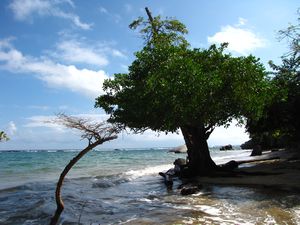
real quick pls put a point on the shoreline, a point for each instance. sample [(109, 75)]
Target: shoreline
[(282, 173)]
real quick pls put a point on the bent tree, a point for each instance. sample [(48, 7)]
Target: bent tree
[(95, 133), (170, 86)]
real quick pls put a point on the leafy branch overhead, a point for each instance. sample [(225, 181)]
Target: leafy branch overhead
[(157, 30)]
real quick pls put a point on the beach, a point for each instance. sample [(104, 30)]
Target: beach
[(276, 170), (123, 187)]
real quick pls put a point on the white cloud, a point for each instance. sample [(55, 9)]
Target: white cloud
[(242, 22), (76, 52), (234, 135), (25, 9), (47, 121), (241, 40), (84, 81), (43, 121), (117, 53), (80, 50), (103, 10), (11, 128)]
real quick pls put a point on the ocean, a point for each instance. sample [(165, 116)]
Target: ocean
[(122, 186)]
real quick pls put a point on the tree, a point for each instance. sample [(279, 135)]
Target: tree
[(95, 133), (3, 136), (280, 125), (170, 86)]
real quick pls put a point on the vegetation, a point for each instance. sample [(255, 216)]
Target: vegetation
[(95, 133), (280, 125), (171, 86), (3, 136)]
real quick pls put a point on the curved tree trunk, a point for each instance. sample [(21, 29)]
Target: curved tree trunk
[(199, 160), (59, 201)]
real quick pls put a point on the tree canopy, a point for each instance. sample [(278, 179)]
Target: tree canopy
[(280, 125), (171, 85)]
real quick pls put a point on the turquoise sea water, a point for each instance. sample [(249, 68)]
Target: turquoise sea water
[(122, 187)]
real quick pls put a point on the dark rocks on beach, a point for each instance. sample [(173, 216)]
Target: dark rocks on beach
[(191, 189), (179, 149), (256, 150), (226, 147), (168, 180), (179, 164), (248, 145), (231, 165)]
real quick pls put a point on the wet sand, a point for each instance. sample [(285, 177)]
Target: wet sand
[(282, 173)]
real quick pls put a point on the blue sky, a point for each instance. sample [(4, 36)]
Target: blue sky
[(55, 54)]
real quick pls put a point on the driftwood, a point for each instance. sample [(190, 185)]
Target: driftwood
[(95, 133)]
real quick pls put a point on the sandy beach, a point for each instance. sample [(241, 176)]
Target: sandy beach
[(282, 173)]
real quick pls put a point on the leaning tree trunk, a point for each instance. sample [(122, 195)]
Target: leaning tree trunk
[(199, 160), (59, 201)]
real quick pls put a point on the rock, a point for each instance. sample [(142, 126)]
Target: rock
[(179, 149), (189, 190), (226, 147), (231, 165), (179, 165), (180, 162), (168, 180), (256, 150), (248, 145)]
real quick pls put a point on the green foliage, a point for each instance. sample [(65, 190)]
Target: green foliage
[(280, 125), (3, 136), (170, 85), (155, 30)]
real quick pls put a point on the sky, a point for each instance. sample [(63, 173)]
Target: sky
[(55, 55)]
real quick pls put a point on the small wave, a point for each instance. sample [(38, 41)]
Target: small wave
[(147, 171), (110, 181)]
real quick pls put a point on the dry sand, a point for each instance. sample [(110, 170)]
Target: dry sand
[(282, 173)]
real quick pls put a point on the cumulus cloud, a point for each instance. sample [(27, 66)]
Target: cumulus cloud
[(75, 52), (24, 10), (240, 39), (84, 81)]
